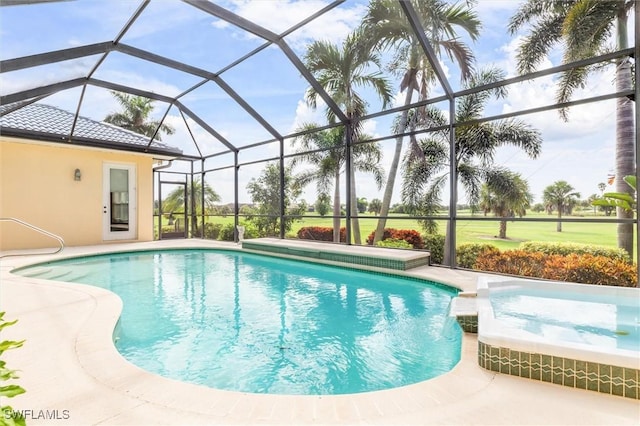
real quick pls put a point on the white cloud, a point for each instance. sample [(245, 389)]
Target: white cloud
[(280, 15), (305, 115)]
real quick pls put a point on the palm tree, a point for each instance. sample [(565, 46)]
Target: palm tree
[(583, 29), (175, 201), (326, 151), (560, 195), (340, 72), (135, 116), (505, 194), (388, 29), (425, 175)]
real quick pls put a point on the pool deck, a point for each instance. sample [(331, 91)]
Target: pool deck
[(70, 367)]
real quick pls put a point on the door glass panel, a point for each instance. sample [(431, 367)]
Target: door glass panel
[(119, 189)]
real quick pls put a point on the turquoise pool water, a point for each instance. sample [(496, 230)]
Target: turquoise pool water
[(250, 323), (588, 319)]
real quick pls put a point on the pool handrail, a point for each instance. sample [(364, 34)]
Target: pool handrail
[(35, 228)]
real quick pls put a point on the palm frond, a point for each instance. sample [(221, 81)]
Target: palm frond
[(570, 81), (586, 27)]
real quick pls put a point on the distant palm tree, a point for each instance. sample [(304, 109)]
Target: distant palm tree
[(387, 28), (560, 195), (583, 29), (375, 205), (175, 202), (135, 116), (340, 71), (326, 151), (425, 175), (505, 194)]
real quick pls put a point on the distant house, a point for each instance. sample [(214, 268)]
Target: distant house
[(92, 187)]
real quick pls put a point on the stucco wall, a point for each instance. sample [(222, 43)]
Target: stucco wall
[(37, 185)]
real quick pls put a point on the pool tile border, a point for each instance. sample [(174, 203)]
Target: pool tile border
[(323, 254), (592, 376), (468, 323)]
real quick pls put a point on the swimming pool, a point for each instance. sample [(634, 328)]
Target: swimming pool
[(251, 323), (577, 335)]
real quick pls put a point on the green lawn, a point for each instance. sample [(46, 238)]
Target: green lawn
[(480, 231)]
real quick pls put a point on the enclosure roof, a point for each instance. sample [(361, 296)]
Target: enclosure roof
[(48, 123), (187, 71)]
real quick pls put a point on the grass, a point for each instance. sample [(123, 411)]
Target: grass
[(468, 231)]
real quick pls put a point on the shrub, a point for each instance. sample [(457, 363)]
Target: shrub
[(590, 269), (212, 230), (514, 262), (409, 235), (435, 244), (394, 243), (467, 253), (580, 268), (226, 231), (575, 248), (320, 233)]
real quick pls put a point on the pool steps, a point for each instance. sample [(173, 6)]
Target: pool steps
[(46, 273)]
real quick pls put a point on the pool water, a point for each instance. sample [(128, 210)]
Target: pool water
[(251, 323), (594, 320)]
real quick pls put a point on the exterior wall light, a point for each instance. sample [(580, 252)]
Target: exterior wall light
[(77, 175)]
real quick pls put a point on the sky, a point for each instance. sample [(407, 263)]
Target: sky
[(580, 151)]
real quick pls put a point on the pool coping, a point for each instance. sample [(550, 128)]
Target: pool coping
[(75, 324)]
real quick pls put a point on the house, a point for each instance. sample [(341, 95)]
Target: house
[(92, 187)]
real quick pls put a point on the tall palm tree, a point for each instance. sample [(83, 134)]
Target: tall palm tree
[(583, 28), (425, 175), (326, 151), (387, 28), (560, 195), (135, 116), (340, 72), (505, 194)]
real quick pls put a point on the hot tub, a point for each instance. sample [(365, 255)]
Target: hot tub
[(576, 335)]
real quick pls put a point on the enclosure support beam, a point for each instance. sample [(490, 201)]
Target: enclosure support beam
[(450, 253), (282, 189), (202, 173), (349, 176), (637, 120), (236, 200)]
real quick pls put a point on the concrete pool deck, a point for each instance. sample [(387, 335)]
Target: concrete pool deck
[(74, 375)]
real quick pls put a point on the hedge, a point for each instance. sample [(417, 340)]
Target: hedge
[(580, 268), (575, 248), (467, 253), (435, 244), (226, 232), (411, 236), (393, 243), (320, 233)]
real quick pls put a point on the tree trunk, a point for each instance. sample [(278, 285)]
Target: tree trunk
[(503, 229), (336, 208), (355, 223), (559, 225), (625, 137), (393, 170)]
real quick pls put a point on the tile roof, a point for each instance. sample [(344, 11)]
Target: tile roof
[(48, 122)]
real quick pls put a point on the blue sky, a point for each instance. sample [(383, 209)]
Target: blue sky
[(580, 151)]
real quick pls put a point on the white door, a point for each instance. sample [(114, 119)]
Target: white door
[(119, 209)]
